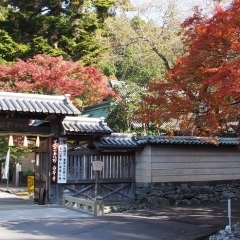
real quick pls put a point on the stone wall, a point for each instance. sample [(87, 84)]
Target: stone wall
[(160, 195)]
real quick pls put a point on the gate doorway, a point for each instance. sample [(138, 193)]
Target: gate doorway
[(32, 116), (55, 117), (41, 180)]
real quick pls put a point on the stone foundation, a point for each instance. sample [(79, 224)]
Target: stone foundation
[(159, 195)]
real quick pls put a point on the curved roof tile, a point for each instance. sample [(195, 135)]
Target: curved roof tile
[(130, 141), (84, 125), (24, 102), (117, 140), (187, 140)]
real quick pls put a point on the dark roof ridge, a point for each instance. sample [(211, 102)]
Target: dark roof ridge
[(195, 140), (185, 137)]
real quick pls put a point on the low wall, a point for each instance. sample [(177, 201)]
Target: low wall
[(185, 174), (94, 207), (159, 195), (186, 163)]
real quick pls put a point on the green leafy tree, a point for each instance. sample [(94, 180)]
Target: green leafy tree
[(65, 28), (142, 47), (121, 117), (9, 49)]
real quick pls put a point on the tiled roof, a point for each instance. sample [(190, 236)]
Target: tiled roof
[(187, 140), (36, 103), (117, 140), (130, 141), (123, 141), (85, 125)]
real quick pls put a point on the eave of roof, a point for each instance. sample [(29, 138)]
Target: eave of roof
[(85, 125), (117, 141), (37, 103)]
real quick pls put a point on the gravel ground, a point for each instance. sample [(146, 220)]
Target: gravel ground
[(226, 234)]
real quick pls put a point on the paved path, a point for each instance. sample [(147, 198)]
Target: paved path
[(23, 220), (208, 214), (13, 208)]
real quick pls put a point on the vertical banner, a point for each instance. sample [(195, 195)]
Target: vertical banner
[(62, 160), (6, 169), (54, 160)]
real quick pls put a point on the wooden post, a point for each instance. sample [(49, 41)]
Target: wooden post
[(98, 206), (96, 183), (97, 166), (229, 215)]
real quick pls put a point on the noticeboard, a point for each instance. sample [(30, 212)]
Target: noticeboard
[(97, 165)]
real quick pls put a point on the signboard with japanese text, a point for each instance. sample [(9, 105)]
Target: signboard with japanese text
[(62, 160), (54, 160), (19, 125)]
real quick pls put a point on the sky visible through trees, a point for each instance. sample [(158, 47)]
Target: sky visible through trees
[(202, 90), (185, 6), (140, 44)]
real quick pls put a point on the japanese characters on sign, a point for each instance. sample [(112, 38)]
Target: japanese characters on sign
[(59, 160), (62, 160), (14, 124), (54, 160)]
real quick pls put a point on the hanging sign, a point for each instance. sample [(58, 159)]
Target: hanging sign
[(54, 160), (59, 160), (20, 125), (62, 160)]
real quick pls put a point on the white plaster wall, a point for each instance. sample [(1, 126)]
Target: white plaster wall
[(193, 163), (143, 168)]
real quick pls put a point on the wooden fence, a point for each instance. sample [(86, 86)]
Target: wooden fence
[(115, 182), (119, 166)]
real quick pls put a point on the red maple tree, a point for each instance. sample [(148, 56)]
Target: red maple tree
[(44, 74), (202, 92)]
